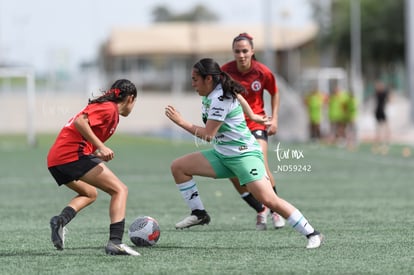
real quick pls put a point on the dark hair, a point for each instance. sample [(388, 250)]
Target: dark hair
[(244, 36), (207, 66), (117, 93)]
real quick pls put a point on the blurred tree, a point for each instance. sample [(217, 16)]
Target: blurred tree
[(198, 14), (382, 29), (161, 14)]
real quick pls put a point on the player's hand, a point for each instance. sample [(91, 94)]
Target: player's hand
[(104, 153), (272, 127), (173, 114), (265, 120)]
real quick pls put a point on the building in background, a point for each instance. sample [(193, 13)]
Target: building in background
[(160, 56)]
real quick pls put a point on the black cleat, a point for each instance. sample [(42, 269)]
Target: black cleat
[(58, 232)]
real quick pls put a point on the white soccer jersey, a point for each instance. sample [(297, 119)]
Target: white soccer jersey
[(233, 137)]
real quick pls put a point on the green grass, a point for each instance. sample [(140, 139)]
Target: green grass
[(363, 203)]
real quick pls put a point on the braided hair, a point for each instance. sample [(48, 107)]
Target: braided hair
[(119, 90), (207, 66)]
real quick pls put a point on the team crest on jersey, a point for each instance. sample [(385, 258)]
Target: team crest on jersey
[(256, 86)]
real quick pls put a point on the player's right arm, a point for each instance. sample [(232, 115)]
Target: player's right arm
[(249, 112), (81, 124)]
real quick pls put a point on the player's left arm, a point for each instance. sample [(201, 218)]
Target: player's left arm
[(206, 133)]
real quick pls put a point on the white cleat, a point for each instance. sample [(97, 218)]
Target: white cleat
[(278, 221), (120, 249), (193, 220), (315, 240), (261, 219)]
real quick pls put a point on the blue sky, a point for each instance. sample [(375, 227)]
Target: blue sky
[(46, 34)]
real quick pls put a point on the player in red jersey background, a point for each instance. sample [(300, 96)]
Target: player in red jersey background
[(256, 78)]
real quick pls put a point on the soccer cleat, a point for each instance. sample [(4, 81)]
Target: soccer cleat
[(315, 240), (58, 232), (261, 219), (197, 217), (120, 249), (278, 221)]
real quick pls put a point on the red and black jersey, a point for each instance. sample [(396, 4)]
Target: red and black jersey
[(256, 80), (70, 145)]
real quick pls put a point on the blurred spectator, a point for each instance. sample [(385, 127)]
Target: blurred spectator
[(382, 129), (314, 102), (350, 117), (337, 115)]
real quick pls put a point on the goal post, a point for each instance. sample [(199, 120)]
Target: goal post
[(29, 76)]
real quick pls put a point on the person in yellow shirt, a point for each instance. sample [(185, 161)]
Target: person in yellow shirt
[(314, 102), (337, 114), (350, 117)]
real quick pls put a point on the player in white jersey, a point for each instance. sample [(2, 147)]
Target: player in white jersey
[(235, 151), (227, 141)]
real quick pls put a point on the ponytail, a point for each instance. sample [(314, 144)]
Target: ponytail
[(117, 93), (231, 86)]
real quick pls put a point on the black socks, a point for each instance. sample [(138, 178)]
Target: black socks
[(255, 204), (116, 231), (68, 213)]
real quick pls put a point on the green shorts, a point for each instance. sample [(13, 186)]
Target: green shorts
[(247, 167)]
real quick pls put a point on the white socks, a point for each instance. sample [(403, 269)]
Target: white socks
[(190, 195), (300, 223)]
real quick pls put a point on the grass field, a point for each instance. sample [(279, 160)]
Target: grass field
[(363, 203)]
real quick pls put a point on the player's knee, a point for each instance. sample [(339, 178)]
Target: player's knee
[(93, 195), (123, 189), (176, 168), (89, 194), (118, 190)]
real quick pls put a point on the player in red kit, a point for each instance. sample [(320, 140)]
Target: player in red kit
[(76, 158), (256, 78)]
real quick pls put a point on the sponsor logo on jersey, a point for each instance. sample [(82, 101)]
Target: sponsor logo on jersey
[(217, 111)]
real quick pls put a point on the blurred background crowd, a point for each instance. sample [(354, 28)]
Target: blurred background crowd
[(341, 65)]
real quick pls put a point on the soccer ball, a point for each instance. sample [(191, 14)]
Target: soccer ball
[(144, 231)]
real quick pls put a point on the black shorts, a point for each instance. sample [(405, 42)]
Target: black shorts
[(260, 134), (71, 171)]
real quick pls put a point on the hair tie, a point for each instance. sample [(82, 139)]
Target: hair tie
[(245, 35), (248, 36), (116, 92)]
